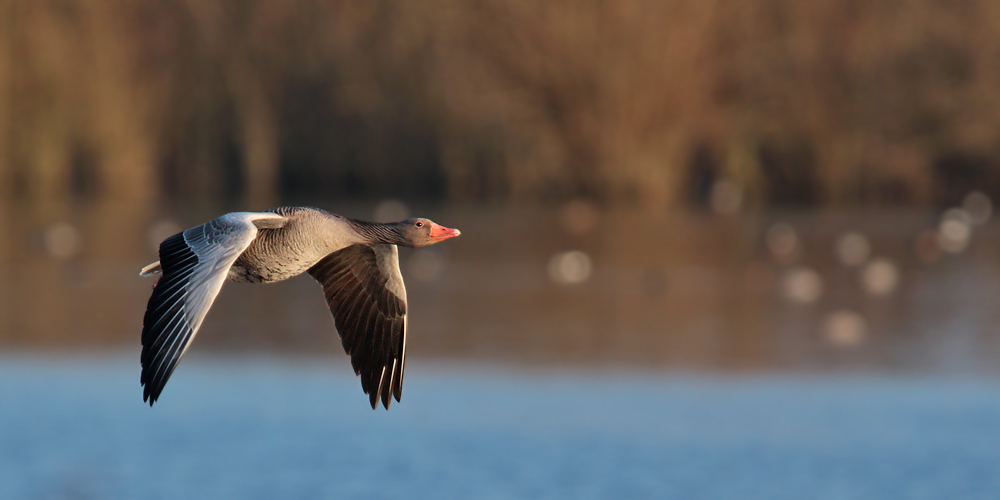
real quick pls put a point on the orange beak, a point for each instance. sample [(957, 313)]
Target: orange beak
[(440, 233)]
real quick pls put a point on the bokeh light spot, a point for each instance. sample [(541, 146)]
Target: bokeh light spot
[(845, 328), (803, 285), (955, 230), (880, 277), (570, 268), (853, 249), (62, 240)]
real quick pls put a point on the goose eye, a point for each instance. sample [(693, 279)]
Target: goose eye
[(420, 224)]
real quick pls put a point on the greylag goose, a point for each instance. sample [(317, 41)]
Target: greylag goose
[(356, 262)]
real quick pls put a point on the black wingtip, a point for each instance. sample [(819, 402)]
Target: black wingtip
[(386, 399), (374, 398), (147, 399), (164, 333)]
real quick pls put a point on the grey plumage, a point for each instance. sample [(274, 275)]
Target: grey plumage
[(355, 261)]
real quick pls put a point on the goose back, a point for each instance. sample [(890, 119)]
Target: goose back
[(281, 253)]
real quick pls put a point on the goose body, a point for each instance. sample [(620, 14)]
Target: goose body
[(356, 262)]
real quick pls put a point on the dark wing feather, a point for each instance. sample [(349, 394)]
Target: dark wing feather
[(365, 292), (194, 265), (164, 329)]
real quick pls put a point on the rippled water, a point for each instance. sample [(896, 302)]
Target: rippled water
[(75, 427)]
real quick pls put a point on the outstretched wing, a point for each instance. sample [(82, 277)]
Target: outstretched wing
[(194, 265), (365, 291)]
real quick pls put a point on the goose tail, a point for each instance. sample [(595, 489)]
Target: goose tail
[(151, 269)]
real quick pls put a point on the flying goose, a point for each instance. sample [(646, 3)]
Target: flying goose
[(356, 262)]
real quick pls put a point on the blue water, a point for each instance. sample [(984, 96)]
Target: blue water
[(76, 428)]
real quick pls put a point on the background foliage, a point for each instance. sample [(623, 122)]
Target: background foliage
[(634, 102)]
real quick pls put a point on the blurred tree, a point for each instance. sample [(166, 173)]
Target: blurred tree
[(822, 102)]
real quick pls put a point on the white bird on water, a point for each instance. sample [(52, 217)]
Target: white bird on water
[(356, 262)]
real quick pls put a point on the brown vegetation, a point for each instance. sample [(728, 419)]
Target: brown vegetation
[(634, 101)]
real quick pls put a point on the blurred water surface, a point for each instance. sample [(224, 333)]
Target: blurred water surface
[(563, 352), (253, 428)]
